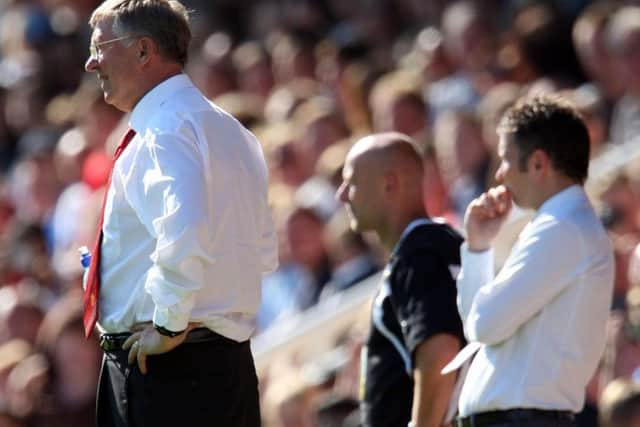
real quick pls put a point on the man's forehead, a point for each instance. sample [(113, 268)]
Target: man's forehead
[(362, 146), (347, 168), (357, 152), (374, 151), (365, 162), (355, 166), (103, 29), (505, 139)]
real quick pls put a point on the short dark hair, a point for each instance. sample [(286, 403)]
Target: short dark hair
[(551, 124), (166, 22)]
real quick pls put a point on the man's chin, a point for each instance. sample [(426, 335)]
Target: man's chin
[(514, 198), (516, 204), (359, 227), (114, 103), (107, 97), (355, 225)]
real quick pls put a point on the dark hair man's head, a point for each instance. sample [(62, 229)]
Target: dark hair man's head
[(553, 125)]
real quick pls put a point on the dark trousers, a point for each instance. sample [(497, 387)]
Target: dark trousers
[(210, 383)]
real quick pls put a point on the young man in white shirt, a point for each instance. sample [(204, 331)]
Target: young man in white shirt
[(539, 324), (185, 238)]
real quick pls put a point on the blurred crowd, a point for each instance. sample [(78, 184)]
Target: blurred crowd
[(308, 77)]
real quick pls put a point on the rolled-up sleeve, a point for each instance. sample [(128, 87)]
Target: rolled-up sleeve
[(171, 202), (476, 270), (268, 244), (543, 263)]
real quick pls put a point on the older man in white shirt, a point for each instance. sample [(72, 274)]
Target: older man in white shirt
[(538, 325), (175, 278)]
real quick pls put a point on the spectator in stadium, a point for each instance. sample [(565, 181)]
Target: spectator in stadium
[(68, 396), (623, 38), (620, 404), (589, 39)]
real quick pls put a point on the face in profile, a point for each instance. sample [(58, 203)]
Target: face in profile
[(113, 60), (510, 174), (360, 192)]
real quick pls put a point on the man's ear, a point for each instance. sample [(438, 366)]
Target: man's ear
[(145, 47), (539, 163), (391, 181)]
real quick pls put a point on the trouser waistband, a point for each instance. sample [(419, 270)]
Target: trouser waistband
[(512, 415), (114, 342)]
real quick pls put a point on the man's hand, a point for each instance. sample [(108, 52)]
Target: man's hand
[(147, 342), (484, 217)]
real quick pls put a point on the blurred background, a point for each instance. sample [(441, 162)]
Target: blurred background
[(308, 77)]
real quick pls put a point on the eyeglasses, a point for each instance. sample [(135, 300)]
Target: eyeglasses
[(95, 49)]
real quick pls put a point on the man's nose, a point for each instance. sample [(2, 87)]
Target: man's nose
[(91, 65), (340, 193)]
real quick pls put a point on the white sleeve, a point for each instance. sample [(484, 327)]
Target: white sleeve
[(545, 260), (172, 205)]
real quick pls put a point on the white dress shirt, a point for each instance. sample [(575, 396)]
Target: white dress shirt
[(187, 230), (541, 320)]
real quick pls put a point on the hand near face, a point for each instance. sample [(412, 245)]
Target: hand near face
[(484, 217)]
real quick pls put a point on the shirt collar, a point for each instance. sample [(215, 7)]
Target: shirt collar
[(410, 227), (154, 99), (564, 200)]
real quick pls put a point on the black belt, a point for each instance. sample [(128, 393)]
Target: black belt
[(512, 415), (113, 342)]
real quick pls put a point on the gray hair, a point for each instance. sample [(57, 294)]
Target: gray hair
[(166, 22)]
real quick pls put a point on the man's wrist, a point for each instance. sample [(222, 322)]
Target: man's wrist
[(478, 248), (475, 245), (166, 332), (475, 239)]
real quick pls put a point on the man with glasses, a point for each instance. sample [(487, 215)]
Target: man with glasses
[(184, 238), (95, 49)]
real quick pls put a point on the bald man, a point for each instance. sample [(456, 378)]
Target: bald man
[(415, 325)]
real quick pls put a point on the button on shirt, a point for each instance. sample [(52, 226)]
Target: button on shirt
[(541, 320), (187, 229)]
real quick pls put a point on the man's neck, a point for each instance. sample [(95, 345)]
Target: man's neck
[(558, 187), (389, 237), (157, 78)]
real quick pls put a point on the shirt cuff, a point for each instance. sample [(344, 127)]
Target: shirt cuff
[(481, 263), (477, 271), (174, 322)]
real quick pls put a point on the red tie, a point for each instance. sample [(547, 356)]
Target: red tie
[(90, 298)]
